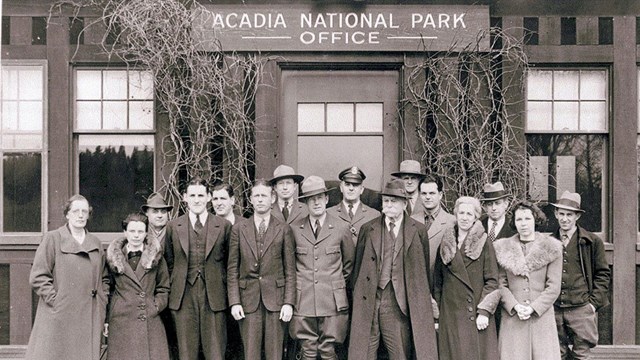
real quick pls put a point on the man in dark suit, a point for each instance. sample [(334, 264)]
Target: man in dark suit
[(262, 277), (196, 254), (391, 292), (285, 183), (495, 201)]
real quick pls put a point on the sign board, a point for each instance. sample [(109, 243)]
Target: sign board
[(361, 27)]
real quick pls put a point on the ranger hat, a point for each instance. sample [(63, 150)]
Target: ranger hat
[(285, 172), (569, 201), (409, 167), (494, 191), (313, 185), (155, 201), (352, 175), (395, 188)]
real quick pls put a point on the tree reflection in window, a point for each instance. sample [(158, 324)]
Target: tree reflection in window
[(21, 192), (587, 152)]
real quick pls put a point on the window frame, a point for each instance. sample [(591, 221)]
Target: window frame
[(606, 176), (27, 238)]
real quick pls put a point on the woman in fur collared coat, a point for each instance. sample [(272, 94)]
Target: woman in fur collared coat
[(140, 291), (530, 275), (466, 288)]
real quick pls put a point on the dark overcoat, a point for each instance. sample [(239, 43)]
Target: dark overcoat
[(137, 297), (67, 277), (465, 286), (365, 284)]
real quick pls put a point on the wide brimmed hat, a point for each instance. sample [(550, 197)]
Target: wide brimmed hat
[(352, 175), (285, 172), (313, 185), (494, 191), (569, 201), (409, 167), (155, 201), (395, 188)]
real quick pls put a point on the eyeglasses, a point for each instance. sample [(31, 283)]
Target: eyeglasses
[(79, 211)]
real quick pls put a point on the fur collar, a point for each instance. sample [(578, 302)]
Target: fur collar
[(116, 257), (473, 243), (544, 250)]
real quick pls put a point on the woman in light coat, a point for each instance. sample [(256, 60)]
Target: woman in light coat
[(67, 277), (140, 291), (530, 275), (466, 287)]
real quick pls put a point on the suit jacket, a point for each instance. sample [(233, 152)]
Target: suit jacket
[(415, 251), (271, 277), (176, 253), (443, 221), (298, 211), (323, 267), (506, 230), (418, 208), (363, 215)]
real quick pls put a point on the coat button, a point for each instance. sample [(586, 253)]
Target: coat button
[(142, 306), (316, 258), (527, 302), (468, 300), (142, 318), (316, 281), (316, 270), (259, 277), (142, 294), (470, 309), (256, 264), (472, 318)]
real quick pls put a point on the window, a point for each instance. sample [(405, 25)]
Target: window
[(114, 130), (567, 125), (22, 145)]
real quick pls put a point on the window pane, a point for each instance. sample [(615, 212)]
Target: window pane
[(539, 116), (9, 115), (9, 83), (30, 116), (5, 297), (310, 117), (88, 84), (140, 85), (141, 115), (593, 85), (369, 117), (565, 115), (539, 85), (565, 85), (116, 176), (593, 116), (339, 117), (114, 85), (114, 116), (21, 141), (575, 163), (22, 192), (30, 84), (88, 114)]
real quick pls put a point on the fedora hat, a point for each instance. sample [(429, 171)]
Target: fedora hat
[(313, 185), (409, 167), (285, 172), (494, 191), (155, 201), (569, 201), (352, 175), (395, 188)]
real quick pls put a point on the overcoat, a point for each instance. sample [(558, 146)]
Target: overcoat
[(323, 266), (270, 278), (137, 297), (363, 215), (67, 277), (298, 211), (532, 279), (435, 232), (365, 283), (465, 286)]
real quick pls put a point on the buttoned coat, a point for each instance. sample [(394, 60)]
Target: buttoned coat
[(532, 280), (365, 284), (270, 278), (218, 231), (137, 297), (465, 282), (298, 211), (323, 267), (441, 222), (363, 215), (68, 279)]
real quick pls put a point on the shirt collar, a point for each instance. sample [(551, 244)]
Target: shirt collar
[(203, 218), (397, 223), (281, 203), (435, 213), (322, 218), (355, 205), (569, 233), (257, 219), (499, 224)]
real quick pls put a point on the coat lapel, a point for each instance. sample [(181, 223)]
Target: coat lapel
[(213, 228), (376, 235), (306, 231), (183, 233), (296, 210), (273, 229), (248, 234)]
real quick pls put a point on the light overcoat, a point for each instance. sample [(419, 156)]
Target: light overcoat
[(532, 279), (298, 211), (365, 284), (137, 297), (465, 286), (67, 277), (442, 221), (363, 215), (323, 267)]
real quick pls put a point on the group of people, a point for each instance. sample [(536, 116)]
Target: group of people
[(411, 281)]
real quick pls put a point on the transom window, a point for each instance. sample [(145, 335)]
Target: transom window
[(340, 117)]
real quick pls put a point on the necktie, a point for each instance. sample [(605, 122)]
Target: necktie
[(565, 240), (351, 211), (134, 254), (492, 232), (428, 221), (318, 228), (285, 210), (392, 227), (262, 228), (198, 227)]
